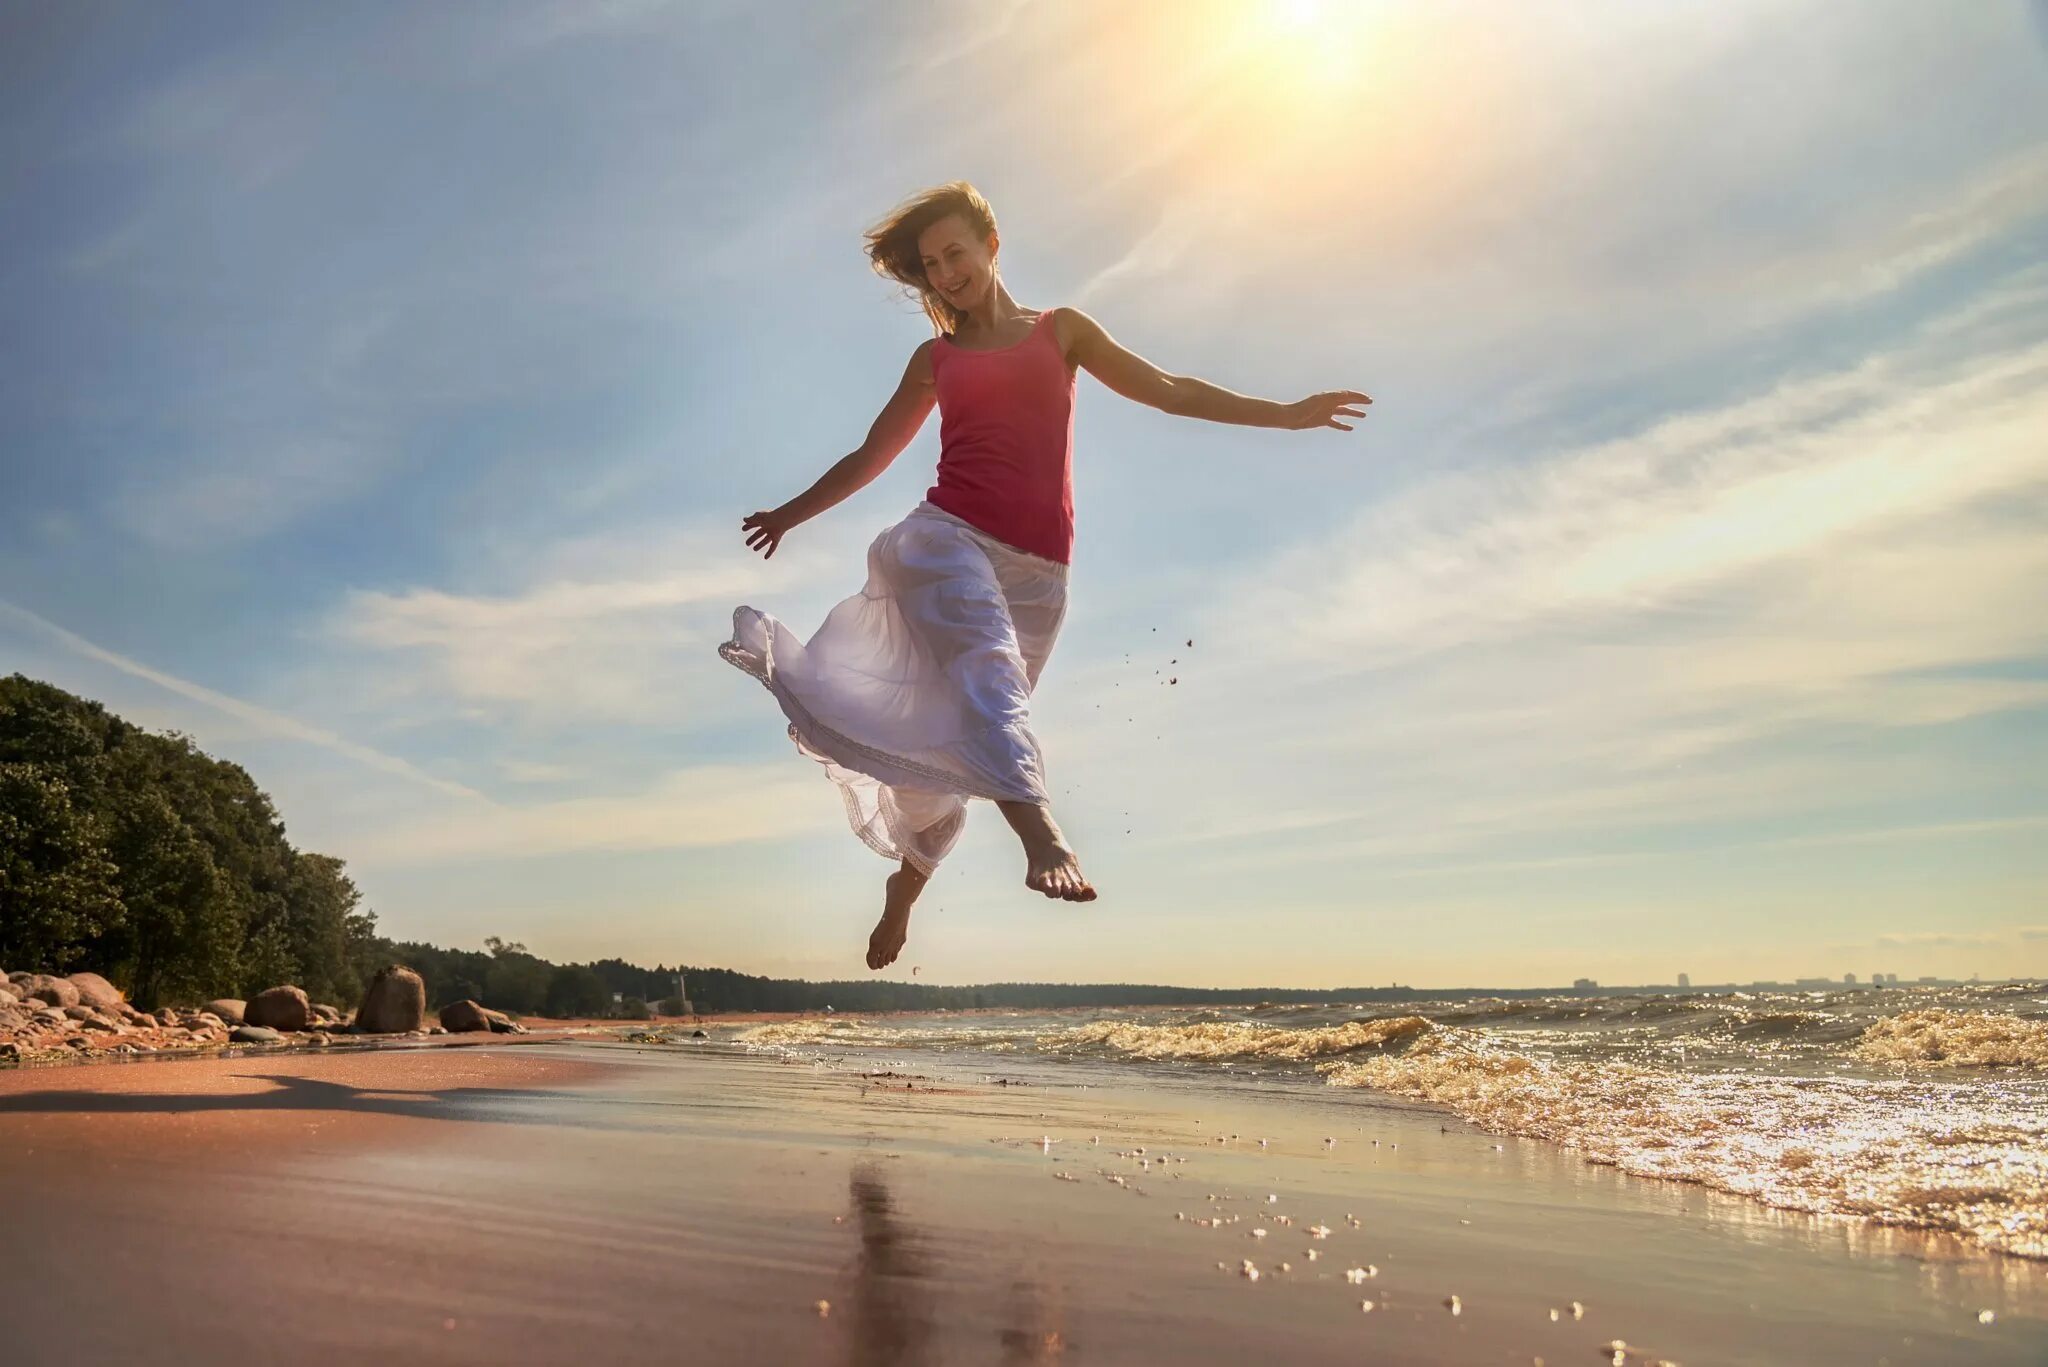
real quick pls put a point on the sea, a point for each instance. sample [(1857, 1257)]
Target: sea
[(1916, 1107)]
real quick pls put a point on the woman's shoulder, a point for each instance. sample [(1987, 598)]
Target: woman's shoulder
[(923, 361)]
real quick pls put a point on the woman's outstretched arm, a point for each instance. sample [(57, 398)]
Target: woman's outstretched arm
[(1136, 378), (893, 428)]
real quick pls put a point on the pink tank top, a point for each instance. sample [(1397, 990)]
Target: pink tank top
[(1006, 440)]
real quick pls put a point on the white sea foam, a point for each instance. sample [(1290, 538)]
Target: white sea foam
[(1929, 1156), (1238, 1039), (1957, 1039)]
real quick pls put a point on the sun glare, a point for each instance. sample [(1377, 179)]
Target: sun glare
[(1305, 47), (1296, 13)]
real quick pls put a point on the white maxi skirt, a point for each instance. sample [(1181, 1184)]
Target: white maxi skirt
[(915, 694)]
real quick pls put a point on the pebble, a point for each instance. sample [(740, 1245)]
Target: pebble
[(1986, 1316), (1454, 1305), (1366, 1306), (824, 1309)]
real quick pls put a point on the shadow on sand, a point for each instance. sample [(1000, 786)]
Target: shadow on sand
[(508, 1105)]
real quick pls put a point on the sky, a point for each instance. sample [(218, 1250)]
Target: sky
[(385, 384)]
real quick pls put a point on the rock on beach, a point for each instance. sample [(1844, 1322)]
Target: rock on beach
[(57, 992), (394, 1003), (460, 1017), (95, 991), (228, 1009), (279, 1008)]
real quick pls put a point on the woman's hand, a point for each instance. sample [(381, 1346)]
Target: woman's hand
[(766, 529), (1323, 410)]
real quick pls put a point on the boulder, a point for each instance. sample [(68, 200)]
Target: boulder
[(460, 1017), (279, 1008), (325, 1014), (166, 1017), (503, 1024), (255, 1034), (8, 997), (81, 1013), (228, 1009), (51, 991), (93, 990), (394, 1003)]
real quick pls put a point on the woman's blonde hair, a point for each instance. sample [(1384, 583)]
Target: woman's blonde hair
[(892, 243)]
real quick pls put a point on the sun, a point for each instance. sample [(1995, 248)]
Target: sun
[(1296, 14)]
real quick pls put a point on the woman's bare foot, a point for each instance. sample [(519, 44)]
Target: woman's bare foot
[(1051, 866), (894, 927)]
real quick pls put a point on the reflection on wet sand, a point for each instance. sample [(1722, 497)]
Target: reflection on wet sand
[(892, 1317)]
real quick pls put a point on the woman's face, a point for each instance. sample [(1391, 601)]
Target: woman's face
[(959, 268)]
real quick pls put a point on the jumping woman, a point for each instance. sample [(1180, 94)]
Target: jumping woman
[(915, 694)]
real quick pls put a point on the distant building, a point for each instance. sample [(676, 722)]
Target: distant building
[(1584, 985), (1926, 981), (1848, 980), (1684, 981)]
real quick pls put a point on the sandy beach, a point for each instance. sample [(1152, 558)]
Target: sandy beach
[(566, 1200)]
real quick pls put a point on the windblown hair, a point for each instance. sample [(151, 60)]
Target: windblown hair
[(892, 243)]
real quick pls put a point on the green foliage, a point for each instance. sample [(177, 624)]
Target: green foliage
[(633, 1009), (574, 990), (138, 856), (57, 885), (516, 980)]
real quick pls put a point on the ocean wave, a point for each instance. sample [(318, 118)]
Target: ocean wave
[(1238, 1039), (1956, 1039), (809, 1030), (1898, 1153)]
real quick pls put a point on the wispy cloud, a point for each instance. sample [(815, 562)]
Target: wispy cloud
[(1936, 939), (597, 631), (691, 808), (263, 720), (1625, 527)]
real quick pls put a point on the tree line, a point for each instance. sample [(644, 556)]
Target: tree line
[(135, 855)]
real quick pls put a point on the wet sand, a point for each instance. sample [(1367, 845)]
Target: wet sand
[(570, 1201)]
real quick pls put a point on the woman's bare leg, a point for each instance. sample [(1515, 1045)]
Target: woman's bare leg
[(1052, 867), (894, 927)]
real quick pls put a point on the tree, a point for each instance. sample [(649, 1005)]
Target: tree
[(57, 885), (577, 990), (516, 980), (181, 939)]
